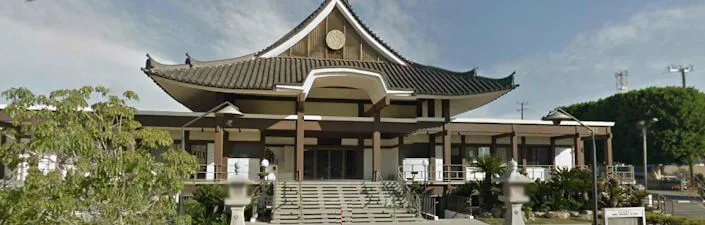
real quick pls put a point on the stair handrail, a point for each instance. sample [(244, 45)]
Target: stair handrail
[(412, 199), (378, 178)]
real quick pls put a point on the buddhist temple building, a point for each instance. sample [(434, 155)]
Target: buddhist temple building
[(331, 101)]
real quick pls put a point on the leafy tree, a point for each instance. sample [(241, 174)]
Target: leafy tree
[(675, 138), (105, 170)]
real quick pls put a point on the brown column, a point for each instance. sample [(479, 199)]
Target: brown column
[(431, 157), (514, 143), (579, 153), (446, 148), (463, 141), (263, 149), (552, 152), (299, 151), (524, 154), (376, 146), (219, 145), (186, 138), (493, 146), (608, 150)]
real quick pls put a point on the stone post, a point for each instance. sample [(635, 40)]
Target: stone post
[(513, 194), (238, 199)]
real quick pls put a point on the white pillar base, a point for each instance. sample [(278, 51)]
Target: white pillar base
[(514, 215)]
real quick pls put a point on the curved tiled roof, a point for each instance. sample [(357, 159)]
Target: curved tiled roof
[(266, 73), (313, 15)]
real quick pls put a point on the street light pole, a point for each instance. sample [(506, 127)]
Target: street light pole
[(644, 125), (225, 108), (646, 170), (558, 115)]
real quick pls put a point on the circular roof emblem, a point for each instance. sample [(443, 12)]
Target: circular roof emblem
[(335, 39)]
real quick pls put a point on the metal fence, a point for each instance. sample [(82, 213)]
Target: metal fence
[(459, 204)]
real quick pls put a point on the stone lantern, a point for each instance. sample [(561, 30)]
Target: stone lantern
[(238, 199), (513, 194)]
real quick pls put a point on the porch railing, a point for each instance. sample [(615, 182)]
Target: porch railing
[(457, 173)]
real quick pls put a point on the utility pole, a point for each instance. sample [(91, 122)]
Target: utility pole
[(522, 108), (622, 82), (682, 70)]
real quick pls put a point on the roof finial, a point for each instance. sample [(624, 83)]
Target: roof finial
[(188, 60)]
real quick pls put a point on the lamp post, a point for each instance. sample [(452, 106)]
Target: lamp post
[(557, 115), (225, 108), (643, 125)]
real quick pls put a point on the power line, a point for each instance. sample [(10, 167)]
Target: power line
[(682, 70), (522, 108), (622, 82)]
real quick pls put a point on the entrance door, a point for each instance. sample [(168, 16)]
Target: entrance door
[(325, 164)]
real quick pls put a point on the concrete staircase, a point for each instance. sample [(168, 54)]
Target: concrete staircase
[(327, 202)]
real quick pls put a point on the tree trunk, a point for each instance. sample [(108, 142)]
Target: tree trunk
[(691, 174)]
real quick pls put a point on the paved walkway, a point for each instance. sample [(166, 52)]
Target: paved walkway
[(425, 222)]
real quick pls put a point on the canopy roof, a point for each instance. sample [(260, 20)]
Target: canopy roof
[(266, 73), (279, 64)]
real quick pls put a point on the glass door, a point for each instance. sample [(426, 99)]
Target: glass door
[(337, 164)]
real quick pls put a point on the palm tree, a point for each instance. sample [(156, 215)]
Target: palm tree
[(492, 166)]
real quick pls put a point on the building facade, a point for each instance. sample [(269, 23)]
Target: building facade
[(329, 100)]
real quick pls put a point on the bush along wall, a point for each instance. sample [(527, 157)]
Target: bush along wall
[(566, 190)]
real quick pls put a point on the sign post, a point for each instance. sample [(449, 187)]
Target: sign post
[(624, 216)]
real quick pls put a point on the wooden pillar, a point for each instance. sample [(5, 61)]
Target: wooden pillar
[(186, 139), (552, 152), (446, 148), (219, 145), (579, 150), (431, 157), (514, 144), (493, 147), (445, 111), (299, 150), (608, 150), (524, 152), (263, 149), (463, 154), (376, 146)]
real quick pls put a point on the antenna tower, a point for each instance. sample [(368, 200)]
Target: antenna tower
[(622, 82)]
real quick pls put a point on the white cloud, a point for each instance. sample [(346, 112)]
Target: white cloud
[(584, 70), (49, 45)]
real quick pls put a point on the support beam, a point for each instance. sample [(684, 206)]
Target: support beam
[(376, 147), (299, 150), (514, 143), (552, 152), (431, 158), (186, 139), (262, 149), (523, 152), (219, 145), (608, 150), (493, 146), (378, 106), (555, 138), (446, 148), (579, 150), (504, 135)]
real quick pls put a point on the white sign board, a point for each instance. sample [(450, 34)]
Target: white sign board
[(624, 216)]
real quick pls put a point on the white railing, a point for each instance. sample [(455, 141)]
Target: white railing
[(464, 173)]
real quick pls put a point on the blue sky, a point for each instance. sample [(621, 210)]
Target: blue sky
[(563, 51)]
